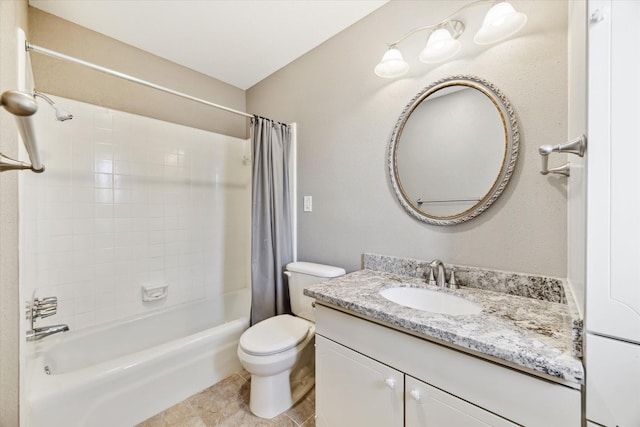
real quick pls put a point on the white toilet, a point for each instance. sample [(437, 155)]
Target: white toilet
[(279, 352)]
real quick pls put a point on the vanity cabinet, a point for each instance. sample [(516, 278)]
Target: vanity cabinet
[(368, 374), (428, 406), (355, 390)]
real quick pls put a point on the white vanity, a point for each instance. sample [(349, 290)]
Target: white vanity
[(383, 364)]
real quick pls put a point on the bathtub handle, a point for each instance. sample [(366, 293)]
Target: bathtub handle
[(40, 308)]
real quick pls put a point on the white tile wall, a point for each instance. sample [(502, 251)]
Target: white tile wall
[(126, 201)]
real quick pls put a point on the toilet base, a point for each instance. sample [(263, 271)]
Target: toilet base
[(302, 380), (270, 396)]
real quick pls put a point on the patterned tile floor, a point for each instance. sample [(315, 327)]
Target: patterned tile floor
[(226, 404)]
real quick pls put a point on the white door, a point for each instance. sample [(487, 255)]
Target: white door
[(613, 162), (429, 406), (353, 390)]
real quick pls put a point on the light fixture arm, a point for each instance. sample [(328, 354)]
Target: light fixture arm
[(441, 23)]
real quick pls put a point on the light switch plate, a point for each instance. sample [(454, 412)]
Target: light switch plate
[(307, 206)]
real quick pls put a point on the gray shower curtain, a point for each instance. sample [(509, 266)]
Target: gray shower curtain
[(271, 217)]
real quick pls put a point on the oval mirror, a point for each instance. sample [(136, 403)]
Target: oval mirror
[(453, 150)]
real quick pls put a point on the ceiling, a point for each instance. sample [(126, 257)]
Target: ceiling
[(240, 42)]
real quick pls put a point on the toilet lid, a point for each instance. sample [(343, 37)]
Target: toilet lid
[(274, 335)]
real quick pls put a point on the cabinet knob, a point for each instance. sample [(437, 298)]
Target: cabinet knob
[(390, 382), (597, 16), (415, 394)]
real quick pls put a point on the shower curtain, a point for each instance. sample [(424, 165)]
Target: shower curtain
[(271, 217)]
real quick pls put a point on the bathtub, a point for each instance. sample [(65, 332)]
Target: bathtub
[(120, 374)]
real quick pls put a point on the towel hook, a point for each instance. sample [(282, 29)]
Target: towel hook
[(22, 106), (577, 147)]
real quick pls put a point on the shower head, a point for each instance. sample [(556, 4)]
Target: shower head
[(61, 113)]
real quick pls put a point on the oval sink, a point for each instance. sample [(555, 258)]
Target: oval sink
[(433, 301)]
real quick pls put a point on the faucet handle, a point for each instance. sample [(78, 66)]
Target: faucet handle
[(39, 308), (46, 311), (40, 305), (432, 279), (453, 284)]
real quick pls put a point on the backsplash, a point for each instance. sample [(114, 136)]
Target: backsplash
[(524, 285)]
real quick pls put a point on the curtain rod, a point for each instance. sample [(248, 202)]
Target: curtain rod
[(38, 49)]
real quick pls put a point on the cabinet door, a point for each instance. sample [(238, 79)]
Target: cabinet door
[(353, 390), (429, 406), (613, 382)]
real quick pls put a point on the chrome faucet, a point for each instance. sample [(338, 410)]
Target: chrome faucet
[(39, 308), (39, 333), (441, 280)]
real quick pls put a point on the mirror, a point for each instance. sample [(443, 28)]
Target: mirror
[(453, 150)]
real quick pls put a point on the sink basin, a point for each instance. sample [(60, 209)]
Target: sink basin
[(433, 301)]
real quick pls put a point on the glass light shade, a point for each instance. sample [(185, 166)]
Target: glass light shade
[(500, 22), (392, 64), (440, 47)]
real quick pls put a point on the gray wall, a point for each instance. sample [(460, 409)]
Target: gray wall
[(345, 116), (13, 14), (76, 82)]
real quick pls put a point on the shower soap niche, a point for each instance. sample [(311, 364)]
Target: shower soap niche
[(154, 292)]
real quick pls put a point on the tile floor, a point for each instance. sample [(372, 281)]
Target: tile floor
[(227, 404)]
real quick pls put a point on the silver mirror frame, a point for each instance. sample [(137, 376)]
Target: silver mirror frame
[(512, 144)]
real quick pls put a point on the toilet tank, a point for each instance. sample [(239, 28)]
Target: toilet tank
[(302, 275)]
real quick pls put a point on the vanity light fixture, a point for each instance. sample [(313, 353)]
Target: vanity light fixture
[(500, 22), (442, 43)]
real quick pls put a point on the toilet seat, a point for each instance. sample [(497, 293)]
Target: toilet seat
[(274, 335)]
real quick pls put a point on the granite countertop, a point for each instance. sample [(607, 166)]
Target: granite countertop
[(536, 335)]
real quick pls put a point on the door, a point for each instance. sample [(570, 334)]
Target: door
[(429, 406), (353, 390), (613, 230), (613, 156)]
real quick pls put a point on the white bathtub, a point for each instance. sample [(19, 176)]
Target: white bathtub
[(120, 374)]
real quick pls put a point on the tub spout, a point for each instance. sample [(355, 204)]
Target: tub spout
[(36, 334)]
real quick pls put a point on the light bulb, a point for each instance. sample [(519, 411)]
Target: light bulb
[(440, 46), (392, 64), (500, 22)]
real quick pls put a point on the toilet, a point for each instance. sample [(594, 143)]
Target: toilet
[(279, 352)]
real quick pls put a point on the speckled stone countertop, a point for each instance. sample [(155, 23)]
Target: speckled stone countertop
[(534, 334)]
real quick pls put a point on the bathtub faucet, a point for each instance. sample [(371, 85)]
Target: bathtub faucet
[(39, 333), (40, 308)]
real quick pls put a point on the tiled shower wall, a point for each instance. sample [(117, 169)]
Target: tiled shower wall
[(128, 201)]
